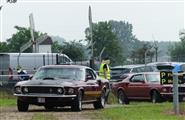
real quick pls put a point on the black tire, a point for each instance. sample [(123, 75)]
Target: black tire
[(77, 103), (100, 103), (122, 98), (49, 107), (155, 97), (22, 106)]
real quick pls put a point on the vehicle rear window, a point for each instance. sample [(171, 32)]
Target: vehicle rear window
[(182, 67), (153, 77)]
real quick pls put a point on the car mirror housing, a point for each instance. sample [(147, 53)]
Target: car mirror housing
[(99, 82)]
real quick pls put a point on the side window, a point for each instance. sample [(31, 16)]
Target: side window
[(90, 75), (148, 69), (134, 70), (137, 78), (63, 59)]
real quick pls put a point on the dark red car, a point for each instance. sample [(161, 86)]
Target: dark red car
[(144, 86), (62, 85)]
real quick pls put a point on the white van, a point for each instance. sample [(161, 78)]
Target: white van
[(29, 62)]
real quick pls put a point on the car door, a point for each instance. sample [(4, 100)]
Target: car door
[(136, 87), (91, 86)]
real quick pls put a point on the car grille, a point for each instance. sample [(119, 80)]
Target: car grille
[(181, 89), (52, 90)]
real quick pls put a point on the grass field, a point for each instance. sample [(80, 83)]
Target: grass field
[(133, 111), (7, 98), (141, 111)]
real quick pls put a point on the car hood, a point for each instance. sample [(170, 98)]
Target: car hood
[(48, 83)]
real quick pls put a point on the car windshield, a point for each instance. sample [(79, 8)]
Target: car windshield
[(153, 77), (59, 73)]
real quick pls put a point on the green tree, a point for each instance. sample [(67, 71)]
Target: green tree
[(138, 55), (178, 52), (56, 48), (3, 47), (104, 37), (21, 37), (74, 50), (128, 41)]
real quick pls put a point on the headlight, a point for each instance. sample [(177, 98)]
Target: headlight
[(71, 91), (18, 89), (25, 90), (164, 90), (60, 90)]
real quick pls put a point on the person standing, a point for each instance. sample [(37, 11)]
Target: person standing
[(104, 72)]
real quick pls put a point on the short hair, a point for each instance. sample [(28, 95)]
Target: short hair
[(106, 58)]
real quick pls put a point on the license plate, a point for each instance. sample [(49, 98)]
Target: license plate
[(41, 100)]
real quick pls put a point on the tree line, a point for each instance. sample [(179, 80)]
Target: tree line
[(117, 37)]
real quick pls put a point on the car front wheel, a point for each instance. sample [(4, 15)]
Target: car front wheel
[(22, 106), (77, 104), (122, 99), (100, 103), (155, 97)]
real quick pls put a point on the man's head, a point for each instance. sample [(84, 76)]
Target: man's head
[(106, 60)]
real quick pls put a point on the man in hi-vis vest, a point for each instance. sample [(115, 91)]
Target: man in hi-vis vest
[(104, 72)]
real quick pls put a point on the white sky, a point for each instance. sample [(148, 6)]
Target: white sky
[(69, 19)]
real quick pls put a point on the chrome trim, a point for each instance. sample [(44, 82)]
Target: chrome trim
[(44, 95), (171, 93)]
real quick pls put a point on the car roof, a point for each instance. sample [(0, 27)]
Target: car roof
[(128, 66), (161, 63), (142, 73)]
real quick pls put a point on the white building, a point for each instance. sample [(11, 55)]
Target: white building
[(45, 46)]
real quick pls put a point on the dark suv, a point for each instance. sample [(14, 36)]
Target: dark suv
[(118, 72)]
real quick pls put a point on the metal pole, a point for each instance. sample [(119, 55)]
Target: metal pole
[(101, 53), (91, 35), (175, 94)]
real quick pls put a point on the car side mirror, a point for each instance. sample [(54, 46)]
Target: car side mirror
[(30, 77), (99, 82)]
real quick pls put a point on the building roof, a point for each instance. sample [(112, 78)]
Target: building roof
[(47, 41)]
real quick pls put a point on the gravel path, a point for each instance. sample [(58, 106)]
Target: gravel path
[(39, 113)]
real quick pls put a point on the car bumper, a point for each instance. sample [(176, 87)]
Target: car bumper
[(169, 96), (45, 99), (45, 95)]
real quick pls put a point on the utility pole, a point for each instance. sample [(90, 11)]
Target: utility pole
[(91, 37), (32, 29)]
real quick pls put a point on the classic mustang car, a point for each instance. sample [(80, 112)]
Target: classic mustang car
[(62, 85), (144, 86)]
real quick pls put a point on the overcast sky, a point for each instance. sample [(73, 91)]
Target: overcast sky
[(163, 20)]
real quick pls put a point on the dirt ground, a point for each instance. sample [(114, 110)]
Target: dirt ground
[(39, 113)]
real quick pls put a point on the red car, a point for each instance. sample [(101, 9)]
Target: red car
[(55, 86), (144, 86)]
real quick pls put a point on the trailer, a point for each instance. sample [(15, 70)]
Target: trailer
[(30, 62)]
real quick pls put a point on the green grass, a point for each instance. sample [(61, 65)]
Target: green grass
[(140, 111), (7, 98), (42, 116)]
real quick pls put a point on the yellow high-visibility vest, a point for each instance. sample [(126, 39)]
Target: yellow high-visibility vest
[(101, 72)]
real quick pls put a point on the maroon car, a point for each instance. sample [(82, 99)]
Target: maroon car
[(62, 85), (144, 86)]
